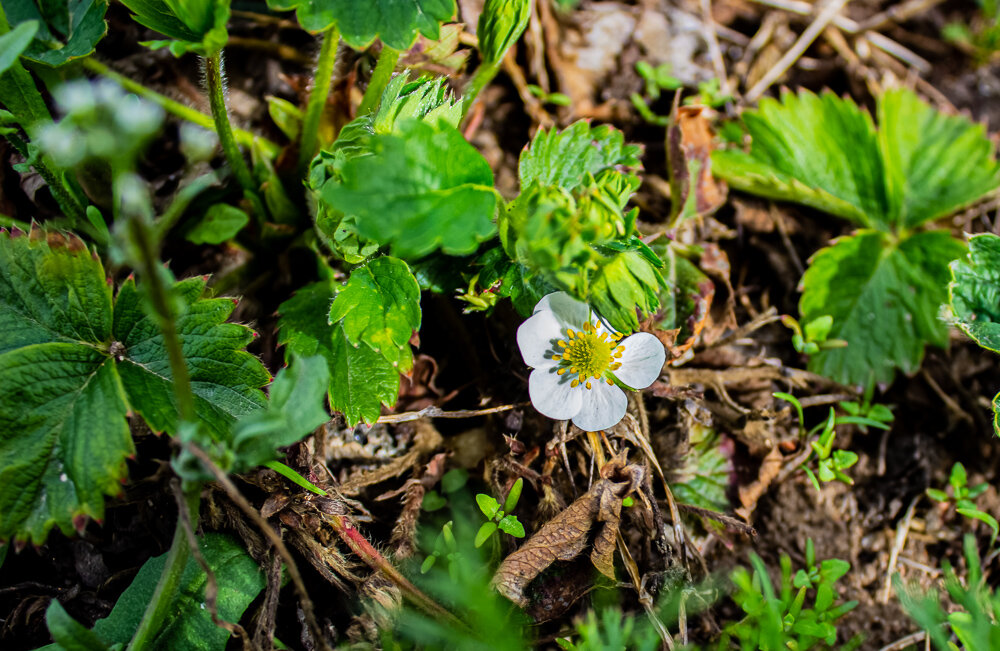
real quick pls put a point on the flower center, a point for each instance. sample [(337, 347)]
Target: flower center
[(588, 354)]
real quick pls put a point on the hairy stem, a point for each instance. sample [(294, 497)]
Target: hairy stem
[(215, 83), (386, 65), (165, 594), (182, 111), (317, 98)]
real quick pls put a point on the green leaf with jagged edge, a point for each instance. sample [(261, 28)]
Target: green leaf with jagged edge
[(824, 152), (73, 366), (626, 285), (67, 29), (361, 380), (395, 22), (704, 479), (501, 23), (63, 434), (197, 26), (565, 158), (380, 307), (189, 623), (225, 379), (974, 294), (936, 164), (427, 100), (884, 297), (294, 409), (421, 188)]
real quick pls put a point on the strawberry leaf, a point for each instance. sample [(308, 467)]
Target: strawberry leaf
[(884, 296), (565, 158), (395, 22), (361, 380), (66, 30), (380, 306)]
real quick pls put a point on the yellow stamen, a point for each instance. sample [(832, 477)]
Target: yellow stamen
[(574, 383), (588, 385), (557, 357), (570, 333), (561, 343), (610, 383), (560, 371)]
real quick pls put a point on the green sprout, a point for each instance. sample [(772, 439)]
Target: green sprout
[(500, 518), (811, 338), (963, 498)]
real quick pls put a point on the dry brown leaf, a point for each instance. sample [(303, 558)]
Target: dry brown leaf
[(689, 147), (563, 537), (426, 440), (749, 495)]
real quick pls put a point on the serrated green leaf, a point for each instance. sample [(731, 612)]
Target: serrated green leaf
[(421, 188), (69, 634), (395, 22), (705, 478), (975, 291), (884, 297), (189, 624), (225, 379), (63, 433), (565, 158), (67, 29), (380, 307), (824, 152), (294, 410), (935, 164), (221, 223), (14, 42), (626, 285), (361, 380), (501, 23)]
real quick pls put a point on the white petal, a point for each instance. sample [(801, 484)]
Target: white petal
[(537, 337), (642, 360), (571, 312), (603, 406), (552, 395)]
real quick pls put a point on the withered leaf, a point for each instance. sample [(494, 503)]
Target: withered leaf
[(689, 150), (563, 537)]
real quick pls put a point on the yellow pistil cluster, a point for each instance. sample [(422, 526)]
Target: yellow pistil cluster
[(588, 354)]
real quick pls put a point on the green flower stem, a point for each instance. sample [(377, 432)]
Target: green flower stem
[(317, 98), (187, 113), (484, 75), (386, 65), (47, 170), (165, 595), (217, 101)]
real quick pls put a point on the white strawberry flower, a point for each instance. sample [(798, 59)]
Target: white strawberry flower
[(576, 358)]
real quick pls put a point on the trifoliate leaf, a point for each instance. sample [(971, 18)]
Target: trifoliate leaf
[(395, 22), (824, 152), (565, 158), (65, 30), (935, 164), (361, 380), (975, 298), (975, 291), (421, 188), (380, 307), (221, 222), (63, 433), (884, 297), (500, 25), (189, 623), (294, 409), (225, 379)]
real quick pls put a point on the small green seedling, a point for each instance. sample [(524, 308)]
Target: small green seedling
[(980, 36), (445, 549), (810, 338), (453, 480), (557, 99), (782, 619), (963, 496), (498, 518)]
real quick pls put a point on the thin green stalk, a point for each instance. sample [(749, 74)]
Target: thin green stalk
[(217, 101), (165, 595), (193, 116), (317, 98), (386, 65), (484, 75), (47, 170)]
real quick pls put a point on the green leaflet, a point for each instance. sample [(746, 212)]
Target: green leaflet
[(71, 367), (565, 158), (704, 479), (68, 633), (501, 23), (825, 152), (14, 42), (421, 188), (67, 29), (380, 306), (197, 26), (395, 22), (189, 624), (361, 380), (884, 296), (221, 222), (626, 283), (974, 294)]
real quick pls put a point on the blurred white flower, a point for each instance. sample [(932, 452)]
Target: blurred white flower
[(576, 357)]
